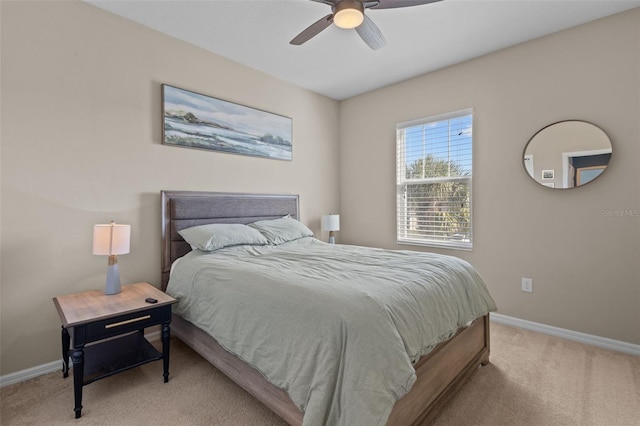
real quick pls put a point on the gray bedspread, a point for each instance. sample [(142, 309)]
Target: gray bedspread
[(337, 327)]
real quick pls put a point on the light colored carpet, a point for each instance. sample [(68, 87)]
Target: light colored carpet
[(533, 379)]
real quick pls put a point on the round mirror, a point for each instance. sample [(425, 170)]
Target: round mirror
[(567, 154)]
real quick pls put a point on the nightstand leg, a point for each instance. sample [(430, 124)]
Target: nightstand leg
[(77, 356), (66, 340), (166, 334)]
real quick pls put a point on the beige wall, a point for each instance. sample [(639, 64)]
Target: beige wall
[(583, 259), (81, 144)]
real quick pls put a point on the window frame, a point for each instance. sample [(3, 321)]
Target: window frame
[(402, 181)]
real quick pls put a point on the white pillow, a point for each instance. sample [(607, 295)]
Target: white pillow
[(215, 236)]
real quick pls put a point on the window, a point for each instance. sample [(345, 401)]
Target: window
[(434, 172)]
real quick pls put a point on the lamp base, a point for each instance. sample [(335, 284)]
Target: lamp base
[(332, 239), (113, 280)]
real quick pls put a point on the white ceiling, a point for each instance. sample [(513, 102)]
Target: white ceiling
[(337, 63)]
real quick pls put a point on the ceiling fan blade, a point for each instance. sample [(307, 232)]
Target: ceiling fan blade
[(312, 30), (371, 34), (394, 4)]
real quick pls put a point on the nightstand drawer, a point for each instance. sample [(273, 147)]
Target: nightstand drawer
[(122, 324)]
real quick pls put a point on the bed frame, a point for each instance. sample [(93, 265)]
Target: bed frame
[(439, 374)]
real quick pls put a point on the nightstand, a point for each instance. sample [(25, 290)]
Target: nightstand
[(116, 324)]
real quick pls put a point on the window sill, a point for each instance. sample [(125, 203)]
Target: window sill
[(435, 244)]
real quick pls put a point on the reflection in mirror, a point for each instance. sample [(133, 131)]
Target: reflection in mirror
[(567, 154)]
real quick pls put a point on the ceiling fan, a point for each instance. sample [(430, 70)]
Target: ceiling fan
[(350, 14)]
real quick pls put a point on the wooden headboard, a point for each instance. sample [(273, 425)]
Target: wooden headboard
[(183, 209)]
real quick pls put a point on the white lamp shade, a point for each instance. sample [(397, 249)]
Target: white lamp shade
[(348, 13), (111, 239), (348, 18), (331, 222)]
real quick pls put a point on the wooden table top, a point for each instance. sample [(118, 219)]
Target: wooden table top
[(80, 308)]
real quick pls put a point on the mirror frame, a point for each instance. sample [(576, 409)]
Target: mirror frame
[(527, 145)]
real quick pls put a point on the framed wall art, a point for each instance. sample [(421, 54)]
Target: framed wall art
[(548, 174), (198, 121)]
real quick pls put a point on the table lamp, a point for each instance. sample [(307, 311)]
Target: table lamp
[(331, 223), (111, 240)]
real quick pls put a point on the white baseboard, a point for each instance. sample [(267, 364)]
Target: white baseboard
[(589, 339), (50, 367), (30, 373)]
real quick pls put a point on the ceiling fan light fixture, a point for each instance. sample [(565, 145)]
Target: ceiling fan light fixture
[(348, 14)]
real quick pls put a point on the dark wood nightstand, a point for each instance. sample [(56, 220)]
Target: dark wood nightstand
[(116, 323)]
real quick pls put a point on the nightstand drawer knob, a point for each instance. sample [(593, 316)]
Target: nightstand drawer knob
[(129, 321)]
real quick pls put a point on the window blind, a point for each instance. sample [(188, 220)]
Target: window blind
[(434, 165)]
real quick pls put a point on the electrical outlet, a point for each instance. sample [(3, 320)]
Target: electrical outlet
[(527, 285)]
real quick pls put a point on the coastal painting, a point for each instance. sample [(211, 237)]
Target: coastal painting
[(198, 121)]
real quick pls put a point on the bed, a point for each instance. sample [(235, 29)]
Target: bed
[(438, 374)]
